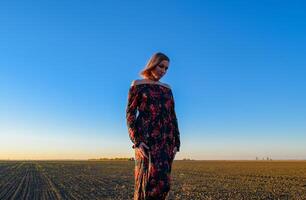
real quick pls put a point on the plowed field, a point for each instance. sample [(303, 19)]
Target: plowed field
[(193, 180)]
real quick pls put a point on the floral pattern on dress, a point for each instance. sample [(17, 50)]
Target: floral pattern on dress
[(151, 119)]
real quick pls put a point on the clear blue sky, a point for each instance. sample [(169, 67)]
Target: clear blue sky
[(237, 73)]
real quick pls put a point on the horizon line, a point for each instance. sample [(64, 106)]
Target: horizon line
[(113, 159)]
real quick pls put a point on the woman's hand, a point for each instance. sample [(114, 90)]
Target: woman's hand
[(142, 150), (174, 151)]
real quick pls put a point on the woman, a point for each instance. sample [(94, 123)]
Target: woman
[(154, 131)]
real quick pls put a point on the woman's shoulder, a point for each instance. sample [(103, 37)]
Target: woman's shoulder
[(146, 81)]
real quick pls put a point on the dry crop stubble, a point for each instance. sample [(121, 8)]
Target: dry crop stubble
[(190, 180)]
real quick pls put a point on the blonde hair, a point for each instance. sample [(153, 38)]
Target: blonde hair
[(152, 63)]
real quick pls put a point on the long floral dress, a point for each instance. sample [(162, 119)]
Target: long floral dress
[(151, 119)]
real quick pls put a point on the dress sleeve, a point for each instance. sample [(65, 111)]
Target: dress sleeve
[(176, 128), (131, 110)]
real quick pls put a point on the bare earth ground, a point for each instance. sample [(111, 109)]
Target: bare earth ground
[(211, 180)]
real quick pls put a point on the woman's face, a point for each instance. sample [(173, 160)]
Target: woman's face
[(160, 70)]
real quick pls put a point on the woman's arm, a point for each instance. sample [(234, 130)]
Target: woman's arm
[(176, 128), (131, 110), (176, 133)]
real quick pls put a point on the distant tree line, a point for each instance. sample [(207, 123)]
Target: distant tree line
[(128, 159), (267, 158), (187, 159)]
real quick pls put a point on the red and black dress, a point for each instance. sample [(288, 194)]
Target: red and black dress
[(151, 119)]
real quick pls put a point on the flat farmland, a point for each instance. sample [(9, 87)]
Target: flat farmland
[(266, 180)]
